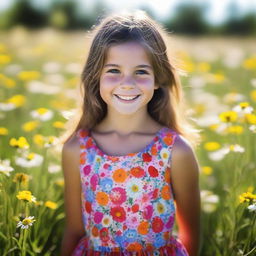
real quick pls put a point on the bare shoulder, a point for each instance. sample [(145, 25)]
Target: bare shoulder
[(71, 148)]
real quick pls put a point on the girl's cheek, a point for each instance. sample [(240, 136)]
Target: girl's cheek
[(110, 79)]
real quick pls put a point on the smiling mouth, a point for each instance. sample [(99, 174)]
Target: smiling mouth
[(127, 98)]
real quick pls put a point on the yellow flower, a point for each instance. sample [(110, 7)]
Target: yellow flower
[(21, 178), (211, 146), (20, 143), (50, 205), (203, 67), (217, 78), (250, 63), (38, 139), (4, 131), (28, 75), (247, 197), (26, 196), (30, 126), (58, 124), (7, 82), (4, 59), (60, 182), (18, 100), (26, 222), (235, 129), (30, 156), (207, 170), (228, 116), (2, 47), (253, 95), (250, 118)]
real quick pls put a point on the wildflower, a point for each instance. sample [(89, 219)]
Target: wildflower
[(30, 126), (233, 97), (7, 82), (209, 201), (26, 196), (59, 182), (26, 222), (250, 118), (235, 129), (228, 116), (219, 154), (54, 168), (58, 124), (247, 197), (40, 87), (5, 167), (21, 178), (50, 205), (243, 108), (38, 139), (250, 63), (4, 106), (253, 128), (207, 170), (29, 160), (252, 207), (203, 67), (50, 141), (236, 148), (4, 59), (211, 146), (21, 142), (253, 95), (18, 100), (28, 75), (42, 114), (3, 131)]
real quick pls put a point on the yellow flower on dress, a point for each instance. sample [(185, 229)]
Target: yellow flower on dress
[(51, 205), (26, 195)]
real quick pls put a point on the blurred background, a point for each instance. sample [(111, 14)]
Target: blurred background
[(43, 47)]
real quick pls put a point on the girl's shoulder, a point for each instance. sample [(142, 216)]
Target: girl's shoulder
[(72, 145)]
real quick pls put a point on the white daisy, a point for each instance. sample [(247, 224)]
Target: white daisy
[(54, 168), (29, 160), (134, 188), (7, 106), (5, 167), (160, 207), (164, 153), (25, 223), (40, 87), (42, 114), (106, 221)]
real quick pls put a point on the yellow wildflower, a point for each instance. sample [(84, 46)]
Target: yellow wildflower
[(250, 118), (20, 143), (60, 182), (26, 196), (228, 116), (211, 146), (235, 129), (7, 82), (18, 100), (253, 95), (21, 178), (28, 75), (30, 126), (50, 205), (26, 222), (250, 63), (207, 170), (203, 67), (4, 131), (247, 197), (4, 59), (58, 124), (38, 139)]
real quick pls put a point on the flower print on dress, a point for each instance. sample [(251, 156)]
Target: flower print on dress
[(131, 235), (134, 188), (164, 153), (118, 195), (106, 184)]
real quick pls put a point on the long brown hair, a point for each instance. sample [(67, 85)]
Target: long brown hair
[(167, 105)]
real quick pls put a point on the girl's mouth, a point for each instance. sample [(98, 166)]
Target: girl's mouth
[(127, 98)]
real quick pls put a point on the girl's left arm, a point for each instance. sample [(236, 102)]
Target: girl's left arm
[(185, 185)]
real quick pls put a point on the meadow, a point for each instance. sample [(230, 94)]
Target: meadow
[(39, 94)]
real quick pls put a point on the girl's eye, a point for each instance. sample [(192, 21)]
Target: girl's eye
[(113, 70), (141, 72)]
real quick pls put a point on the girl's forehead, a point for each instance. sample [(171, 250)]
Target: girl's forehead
[(127, 52)]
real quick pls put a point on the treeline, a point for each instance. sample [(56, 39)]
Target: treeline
[(188, 18)]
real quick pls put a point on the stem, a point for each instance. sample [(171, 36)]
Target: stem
[(25, 233)]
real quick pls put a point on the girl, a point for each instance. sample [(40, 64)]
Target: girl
[(127, 166)]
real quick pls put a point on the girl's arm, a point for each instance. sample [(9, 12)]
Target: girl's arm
[(185, 184), (74, 229)]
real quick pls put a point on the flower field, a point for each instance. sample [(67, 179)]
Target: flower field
[(39, 93)]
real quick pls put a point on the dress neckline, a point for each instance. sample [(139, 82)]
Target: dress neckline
[(144, 150)]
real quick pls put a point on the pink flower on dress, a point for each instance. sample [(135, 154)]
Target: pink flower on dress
[(87, 170), (118, 195), (147, 212), (94, 181), (98, 217), (170, 222)]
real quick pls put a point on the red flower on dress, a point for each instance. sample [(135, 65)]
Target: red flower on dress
[(88, 207), (104, 235), (157, 224), (147, 212), (138, 172), (118, 213), (146, 157), (135, 208), (153, 172), (118, 195)]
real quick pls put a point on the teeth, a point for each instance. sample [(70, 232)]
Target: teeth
[(127, 97)]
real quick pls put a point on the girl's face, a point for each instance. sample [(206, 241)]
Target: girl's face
[(127, 79)]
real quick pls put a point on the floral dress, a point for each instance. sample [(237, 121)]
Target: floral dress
[(127, 201)]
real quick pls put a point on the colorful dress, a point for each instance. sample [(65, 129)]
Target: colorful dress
[(127, 201)]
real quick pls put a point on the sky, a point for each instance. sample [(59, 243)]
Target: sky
[(217, 12)]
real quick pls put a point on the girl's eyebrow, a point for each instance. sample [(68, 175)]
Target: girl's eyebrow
[(139, 66)]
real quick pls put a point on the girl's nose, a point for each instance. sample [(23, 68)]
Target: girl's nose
[(127, 83)]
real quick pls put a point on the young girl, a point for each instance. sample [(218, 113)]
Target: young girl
[(127, 166)]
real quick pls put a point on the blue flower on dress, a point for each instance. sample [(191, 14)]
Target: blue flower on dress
[(120, 240), (89, 195), (159, 241), (131, 235), (106, 184)]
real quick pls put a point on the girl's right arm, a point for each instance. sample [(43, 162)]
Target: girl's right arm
[(74, 228)]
